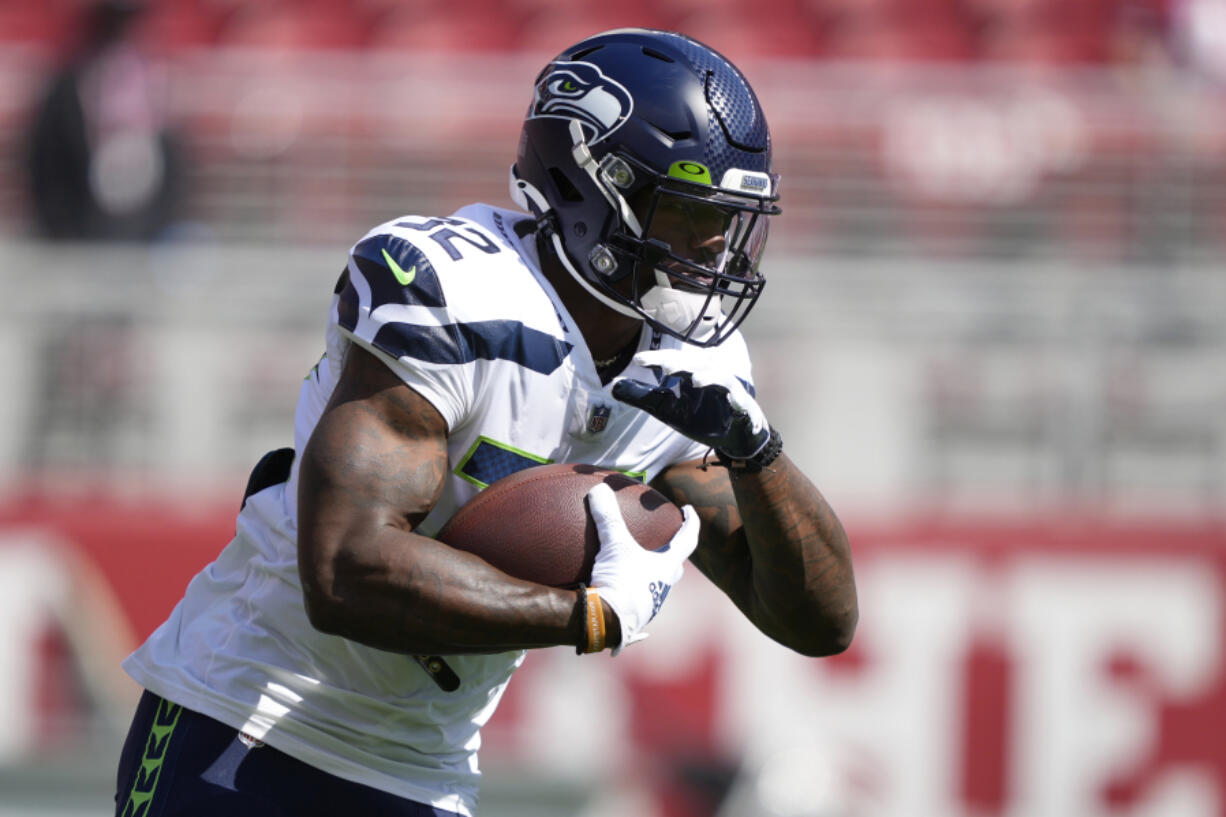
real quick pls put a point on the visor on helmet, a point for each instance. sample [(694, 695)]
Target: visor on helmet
[(696, 251), (713, 235)]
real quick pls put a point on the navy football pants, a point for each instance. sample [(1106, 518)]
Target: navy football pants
[(179, 763)]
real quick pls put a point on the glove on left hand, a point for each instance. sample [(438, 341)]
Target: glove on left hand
[(705, 404)]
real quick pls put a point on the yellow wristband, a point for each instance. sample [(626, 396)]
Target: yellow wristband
[(595, 621)]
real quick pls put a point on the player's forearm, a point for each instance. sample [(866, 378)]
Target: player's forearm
[(802, 591), (406, 593)]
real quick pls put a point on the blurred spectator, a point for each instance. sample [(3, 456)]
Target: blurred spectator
[(1200, 37), (103, 162)]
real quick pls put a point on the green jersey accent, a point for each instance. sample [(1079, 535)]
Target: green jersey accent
[(315, 369), (349, 709), (488, 461), (405, 278), (690, 172)]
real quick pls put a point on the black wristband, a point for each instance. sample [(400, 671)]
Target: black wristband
[(752, 465)]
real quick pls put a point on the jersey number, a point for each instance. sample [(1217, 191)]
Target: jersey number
[(441, 232)]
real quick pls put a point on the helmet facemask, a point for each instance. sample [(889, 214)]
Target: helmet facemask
[(645, 158), (684, 255)]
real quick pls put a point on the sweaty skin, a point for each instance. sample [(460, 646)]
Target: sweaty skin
[(769, 540), (372, 470), (775, 547), (375, 466)]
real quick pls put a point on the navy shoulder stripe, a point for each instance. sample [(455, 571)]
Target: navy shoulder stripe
[(347, 306), (397, 272), (458, 343)]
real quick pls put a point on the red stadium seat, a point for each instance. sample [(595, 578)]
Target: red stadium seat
[(748, 32), (926, 30), (896, 9), (1049, 32), (689, 10), (548, 31), (175, 25), (43, 24), (928, 41), (1047, 47), (303, 25), (440, 29)]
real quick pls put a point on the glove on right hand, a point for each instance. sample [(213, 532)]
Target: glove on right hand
[(632, 580)]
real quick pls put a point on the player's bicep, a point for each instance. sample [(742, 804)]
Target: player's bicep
[(377, 457), (722, 554)]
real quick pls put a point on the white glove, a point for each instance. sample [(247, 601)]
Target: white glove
[(632, 580)]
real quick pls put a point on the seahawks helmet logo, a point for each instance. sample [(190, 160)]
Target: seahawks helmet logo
[(579, 90)]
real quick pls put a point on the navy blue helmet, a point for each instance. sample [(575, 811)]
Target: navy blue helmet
[(646, 159)]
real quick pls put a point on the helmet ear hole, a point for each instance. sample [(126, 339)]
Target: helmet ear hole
[(569, 192)]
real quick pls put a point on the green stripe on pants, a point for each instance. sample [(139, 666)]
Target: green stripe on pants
[(146, 782)]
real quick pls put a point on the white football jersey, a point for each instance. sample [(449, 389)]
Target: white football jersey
[(459, 309)]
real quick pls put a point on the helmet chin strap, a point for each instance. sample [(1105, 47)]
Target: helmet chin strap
[(528, 197), (693, 314), (560, 252), (687, 313)]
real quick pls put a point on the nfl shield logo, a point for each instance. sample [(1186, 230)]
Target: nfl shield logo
[(599, 419)]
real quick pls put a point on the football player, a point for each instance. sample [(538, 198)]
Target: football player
[(337, 659)]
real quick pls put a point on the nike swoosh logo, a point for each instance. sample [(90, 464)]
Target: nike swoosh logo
[(405, 278)]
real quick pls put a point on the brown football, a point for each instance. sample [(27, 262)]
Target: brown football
[(535, 524)]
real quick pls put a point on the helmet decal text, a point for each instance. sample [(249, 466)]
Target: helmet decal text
[(581, 91)]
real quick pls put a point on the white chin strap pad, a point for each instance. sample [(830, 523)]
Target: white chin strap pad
[(678, 309)]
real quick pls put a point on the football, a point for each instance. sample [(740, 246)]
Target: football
[(535, 524)]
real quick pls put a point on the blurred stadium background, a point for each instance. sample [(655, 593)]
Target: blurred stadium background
[(994, 333)]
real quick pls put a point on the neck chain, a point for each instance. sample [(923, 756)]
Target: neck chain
[(620, 355)]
